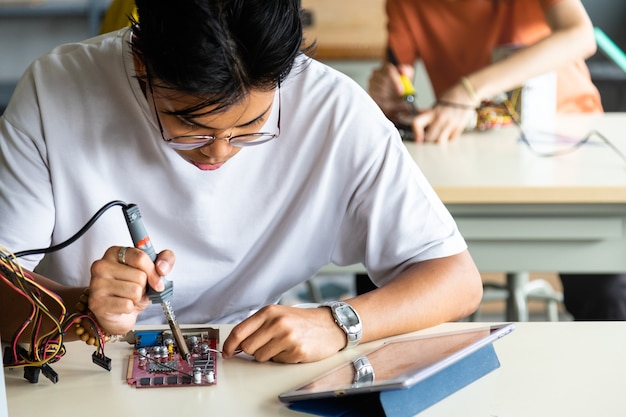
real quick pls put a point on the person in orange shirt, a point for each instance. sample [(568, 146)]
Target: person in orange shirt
[(455, 39)]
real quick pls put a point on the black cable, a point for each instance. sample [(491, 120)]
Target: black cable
[(76, 235), (49, 347), (570, 149)]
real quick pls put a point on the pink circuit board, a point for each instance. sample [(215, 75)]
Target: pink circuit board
[(155, 361)]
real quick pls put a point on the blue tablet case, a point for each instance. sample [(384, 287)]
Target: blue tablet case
[(407, 402)]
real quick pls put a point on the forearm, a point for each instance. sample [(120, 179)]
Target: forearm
[(571, 39), (426, 294), (15, 308)]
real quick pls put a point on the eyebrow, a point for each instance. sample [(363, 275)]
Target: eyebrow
[(191, 118)]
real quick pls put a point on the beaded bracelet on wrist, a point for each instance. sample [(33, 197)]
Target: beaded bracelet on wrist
[(82, 330)]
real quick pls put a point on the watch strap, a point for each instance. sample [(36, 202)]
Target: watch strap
[(353, 331)]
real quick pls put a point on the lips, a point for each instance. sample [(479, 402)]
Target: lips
[(207, 167)]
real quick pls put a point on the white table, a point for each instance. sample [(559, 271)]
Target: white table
[(547, 369)]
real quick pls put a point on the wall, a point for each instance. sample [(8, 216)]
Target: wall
[(27, 34), (610, 16), (28, 30)]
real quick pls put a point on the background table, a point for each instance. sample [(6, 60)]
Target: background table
[(547, 369), (522, 212)]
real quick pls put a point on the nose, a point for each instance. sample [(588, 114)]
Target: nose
[(218, 149)]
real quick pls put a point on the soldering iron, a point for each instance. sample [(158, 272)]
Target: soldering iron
[(408, 94), (142, 241)]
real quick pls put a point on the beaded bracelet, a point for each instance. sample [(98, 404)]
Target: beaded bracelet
[(82, 331)]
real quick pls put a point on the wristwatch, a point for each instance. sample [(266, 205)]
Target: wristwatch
[(348, 320)]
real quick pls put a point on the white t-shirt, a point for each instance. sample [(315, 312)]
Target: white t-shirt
[(337, 185)]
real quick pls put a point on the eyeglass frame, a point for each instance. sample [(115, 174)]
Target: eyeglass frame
[(208, 140)]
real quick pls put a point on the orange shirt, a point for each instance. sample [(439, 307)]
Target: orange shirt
[(455, 38)]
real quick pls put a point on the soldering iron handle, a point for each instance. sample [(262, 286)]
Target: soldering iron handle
[(137, 230), (142, 241)]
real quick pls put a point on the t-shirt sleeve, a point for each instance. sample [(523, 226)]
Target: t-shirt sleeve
[(396, 218)]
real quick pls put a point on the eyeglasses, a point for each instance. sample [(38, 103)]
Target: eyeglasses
[(526, 134), (190, 142)]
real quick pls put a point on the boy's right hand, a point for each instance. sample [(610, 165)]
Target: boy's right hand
[(117, 292)]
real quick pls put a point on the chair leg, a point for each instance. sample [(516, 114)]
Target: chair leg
[(540, 289), (517, 309), (314, 291), (552, 310), (517, 292)]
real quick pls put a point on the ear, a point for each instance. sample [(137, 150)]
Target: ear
[(140, 67)]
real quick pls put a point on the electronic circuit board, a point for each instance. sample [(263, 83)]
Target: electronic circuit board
[(156, 362)]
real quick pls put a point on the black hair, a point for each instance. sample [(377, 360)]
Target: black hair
[(217, 50)]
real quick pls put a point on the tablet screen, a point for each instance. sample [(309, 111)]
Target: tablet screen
[(398, 364)]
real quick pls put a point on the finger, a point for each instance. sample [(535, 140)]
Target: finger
[(163, 265), (273, 341), (262, 335), (122, 298), (109, 267), (450, 129), (262, 348), (165, 262), (407, 70), (420, 123), (446, 132), (455, 133), (396, 81), (136, 258), (274, 350), (445, 124), (238, 334), (112, 279)]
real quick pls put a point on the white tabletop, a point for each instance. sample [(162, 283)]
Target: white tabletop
[(547, 369), (494, 166)]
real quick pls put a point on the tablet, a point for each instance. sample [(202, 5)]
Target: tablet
[(398, 364)]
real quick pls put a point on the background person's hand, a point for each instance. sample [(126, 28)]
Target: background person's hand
[(386, 88), (447, 119), (441, 124)]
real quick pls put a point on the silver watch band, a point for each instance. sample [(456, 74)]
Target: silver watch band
[(348, 320)]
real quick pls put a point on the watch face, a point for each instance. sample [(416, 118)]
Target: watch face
[(347, 316)]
